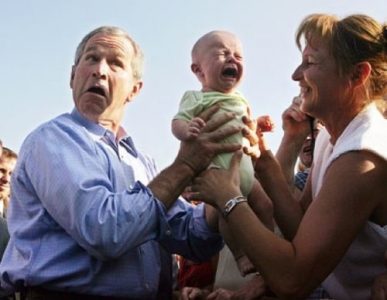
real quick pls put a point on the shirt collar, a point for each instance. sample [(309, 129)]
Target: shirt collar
[(93, 127), (104, 134)]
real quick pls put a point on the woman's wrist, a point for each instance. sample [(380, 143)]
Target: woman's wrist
[(264, 162), (231, 204)]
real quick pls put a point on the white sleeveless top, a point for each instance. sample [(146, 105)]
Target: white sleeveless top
[(364, 260)]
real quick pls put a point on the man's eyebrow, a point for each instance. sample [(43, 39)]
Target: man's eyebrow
[(91, 48)]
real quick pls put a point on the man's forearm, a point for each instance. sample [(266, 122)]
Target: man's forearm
[(171, 182)]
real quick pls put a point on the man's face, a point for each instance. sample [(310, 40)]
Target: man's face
[(6, 168), (102, 81)]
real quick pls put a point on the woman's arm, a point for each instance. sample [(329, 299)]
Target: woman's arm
[(332, 221)]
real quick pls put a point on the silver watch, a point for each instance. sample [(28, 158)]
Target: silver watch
[(230, 204)]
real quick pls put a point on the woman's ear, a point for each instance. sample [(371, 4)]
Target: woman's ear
[(361, 73)]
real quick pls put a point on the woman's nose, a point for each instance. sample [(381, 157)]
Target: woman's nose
[(297, 74)]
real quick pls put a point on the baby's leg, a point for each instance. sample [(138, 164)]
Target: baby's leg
[(262, 206), (244, 265)]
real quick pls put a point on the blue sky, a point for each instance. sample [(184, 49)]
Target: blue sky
[(38, 40)]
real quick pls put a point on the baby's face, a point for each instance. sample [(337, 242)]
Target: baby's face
[(221, 62)]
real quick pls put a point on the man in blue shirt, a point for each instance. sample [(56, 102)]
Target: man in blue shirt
[(89, 216)]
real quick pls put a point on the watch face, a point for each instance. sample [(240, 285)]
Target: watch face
[(229, 205)]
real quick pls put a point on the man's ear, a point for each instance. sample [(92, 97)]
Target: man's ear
[(72, 76), (361, 73), (135, 90)]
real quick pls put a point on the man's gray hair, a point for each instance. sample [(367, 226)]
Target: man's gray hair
[(137, 60)]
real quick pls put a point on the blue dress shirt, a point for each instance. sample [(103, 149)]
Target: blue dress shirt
[(82, 220)]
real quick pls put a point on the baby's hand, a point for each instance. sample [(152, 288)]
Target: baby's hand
[(265, 123), (194, 127)]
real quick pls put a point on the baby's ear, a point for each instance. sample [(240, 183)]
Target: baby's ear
[(195, 68)]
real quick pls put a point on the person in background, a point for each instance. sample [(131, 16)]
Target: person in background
[(301, 161), (4, 235), (89, 216), (7, 165), (336, 235)]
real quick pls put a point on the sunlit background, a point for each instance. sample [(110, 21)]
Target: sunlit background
[(38, 40)]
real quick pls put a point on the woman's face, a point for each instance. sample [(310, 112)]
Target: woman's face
[(322, 89)]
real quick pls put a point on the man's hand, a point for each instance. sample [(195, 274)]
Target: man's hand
[(199, 152), (193, 293)]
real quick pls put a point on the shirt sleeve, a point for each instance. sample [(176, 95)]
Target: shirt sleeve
[(188, 234), (190, 106), (72, 181)]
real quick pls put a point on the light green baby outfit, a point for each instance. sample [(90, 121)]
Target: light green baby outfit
[(194, 102)]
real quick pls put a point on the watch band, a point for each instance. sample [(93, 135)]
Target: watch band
[(230, 204)]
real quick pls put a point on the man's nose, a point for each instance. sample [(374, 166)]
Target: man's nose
[(101, 69), (5, 178)]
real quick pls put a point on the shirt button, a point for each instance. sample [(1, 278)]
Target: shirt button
[(168, 232), (147, 286)]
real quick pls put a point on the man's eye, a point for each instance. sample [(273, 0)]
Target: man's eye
[(91, 57), (117, 63)]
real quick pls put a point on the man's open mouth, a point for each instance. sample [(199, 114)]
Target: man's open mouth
[(97, 90)]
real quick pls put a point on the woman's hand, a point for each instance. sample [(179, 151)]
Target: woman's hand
[(252, 290), (295, 123), (216, 186)]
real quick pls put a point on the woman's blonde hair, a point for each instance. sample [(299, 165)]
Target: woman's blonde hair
[(354, 39)]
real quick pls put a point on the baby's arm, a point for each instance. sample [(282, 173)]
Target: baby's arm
[(186, 130)]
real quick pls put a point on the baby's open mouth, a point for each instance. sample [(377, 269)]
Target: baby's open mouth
[(230, 72)]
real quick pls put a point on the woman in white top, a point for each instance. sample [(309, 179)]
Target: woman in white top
[(337, 236)]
